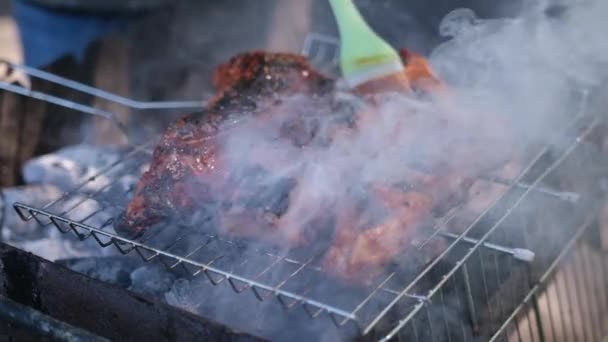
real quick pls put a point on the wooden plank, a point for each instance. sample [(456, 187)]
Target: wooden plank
[(31, 129), (11, 109), (20, 130), (111, 74), (570, 320)]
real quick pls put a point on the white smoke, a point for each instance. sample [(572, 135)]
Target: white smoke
[(514, 83), (529, 66)]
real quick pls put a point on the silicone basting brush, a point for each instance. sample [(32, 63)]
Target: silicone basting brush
[(364, 55)]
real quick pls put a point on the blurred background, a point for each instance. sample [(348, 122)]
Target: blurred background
[(160, 50), (10, 48)]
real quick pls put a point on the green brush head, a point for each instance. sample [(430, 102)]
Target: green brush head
[(363, 54)]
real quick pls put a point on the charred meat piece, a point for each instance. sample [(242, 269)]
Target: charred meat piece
[(187, 172)]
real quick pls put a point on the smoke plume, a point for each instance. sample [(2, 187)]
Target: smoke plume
[(513, 84)]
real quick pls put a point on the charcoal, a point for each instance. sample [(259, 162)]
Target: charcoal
[(47, 241), (115, 270), (181, 295), (153, 280), (71, 166), (13, 228), (56, 246)]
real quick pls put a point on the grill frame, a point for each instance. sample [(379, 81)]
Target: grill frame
[(288, 300)]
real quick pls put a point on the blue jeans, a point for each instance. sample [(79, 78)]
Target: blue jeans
[(47, 35)]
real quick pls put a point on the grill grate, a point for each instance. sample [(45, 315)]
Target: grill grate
[(406, 303)]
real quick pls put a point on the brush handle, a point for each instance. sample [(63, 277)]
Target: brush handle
[(350, 21), (361, 48)]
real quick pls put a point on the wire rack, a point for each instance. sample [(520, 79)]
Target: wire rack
[(491, 247)]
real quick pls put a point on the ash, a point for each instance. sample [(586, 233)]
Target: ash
[(85, 168), (47, 178), (153, 280)]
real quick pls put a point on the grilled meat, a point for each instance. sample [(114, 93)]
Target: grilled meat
[(362, 245), (251, 161), (187, 172)]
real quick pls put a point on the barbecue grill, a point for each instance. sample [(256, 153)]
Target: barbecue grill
[(500, 277)]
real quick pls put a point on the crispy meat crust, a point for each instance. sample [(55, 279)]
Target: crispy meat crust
[(190, 170)]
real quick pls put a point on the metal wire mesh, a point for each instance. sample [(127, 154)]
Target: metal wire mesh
[(455, 296)]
